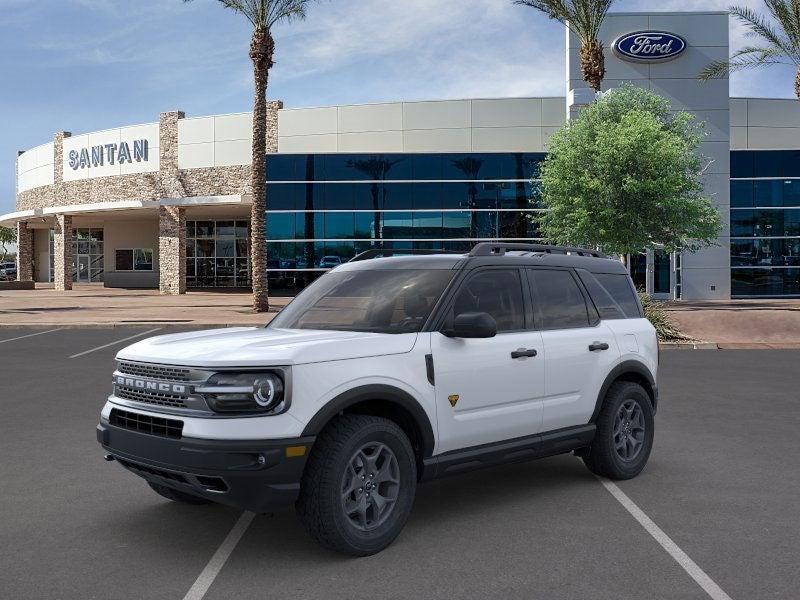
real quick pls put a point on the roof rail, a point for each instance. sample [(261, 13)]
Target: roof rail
[(500, 248), (382, 252)]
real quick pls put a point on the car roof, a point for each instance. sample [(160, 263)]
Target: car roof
[(514, 258)]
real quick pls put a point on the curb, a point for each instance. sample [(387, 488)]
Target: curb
[(689, 345)]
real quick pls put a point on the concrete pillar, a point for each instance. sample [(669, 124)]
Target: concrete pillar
[(24, 252), (171, 250), (62, 253)]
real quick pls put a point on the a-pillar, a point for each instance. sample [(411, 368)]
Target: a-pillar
[(62, 253), (171, 250), (24, 252)]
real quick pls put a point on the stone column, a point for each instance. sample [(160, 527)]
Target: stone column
[(171, 184), (273, 106), (62, 250), (171, 250), (24, 252)]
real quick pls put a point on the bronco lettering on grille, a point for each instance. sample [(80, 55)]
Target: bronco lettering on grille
[(153, 386)]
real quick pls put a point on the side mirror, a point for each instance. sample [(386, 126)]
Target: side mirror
[(473, 325)]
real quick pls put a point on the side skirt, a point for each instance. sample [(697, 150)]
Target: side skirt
[(526, 448)]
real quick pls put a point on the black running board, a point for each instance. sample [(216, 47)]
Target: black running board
[(519, 449)]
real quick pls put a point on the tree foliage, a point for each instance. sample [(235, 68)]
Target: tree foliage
[(625, 176), (8, 236)]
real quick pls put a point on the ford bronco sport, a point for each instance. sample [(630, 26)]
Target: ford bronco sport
[(388, 371)]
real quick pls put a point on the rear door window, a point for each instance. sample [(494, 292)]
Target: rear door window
[(558, 300)]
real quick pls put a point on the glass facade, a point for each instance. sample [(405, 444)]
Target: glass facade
[(88, 262), (326, 208), (765, 223), (217, 254)]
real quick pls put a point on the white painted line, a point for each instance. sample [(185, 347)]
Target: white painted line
[(214, 566), (22, 337), (115, 343), (695, 572)]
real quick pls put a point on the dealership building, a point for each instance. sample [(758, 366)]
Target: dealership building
[(167, 204)]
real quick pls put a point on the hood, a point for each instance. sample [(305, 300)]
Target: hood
[(259, 346)]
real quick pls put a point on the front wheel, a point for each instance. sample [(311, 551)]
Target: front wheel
[(624, 435), (359, 485)]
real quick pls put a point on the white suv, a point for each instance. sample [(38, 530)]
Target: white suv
[(389, 371)]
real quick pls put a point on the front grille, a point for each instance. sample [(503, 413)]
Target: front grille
[(171, 428), (144, 470), (154, 371), (158, 398)]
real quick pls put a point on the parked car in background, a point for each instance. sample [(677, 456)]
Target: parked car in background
[(328, 262), (8, 271)]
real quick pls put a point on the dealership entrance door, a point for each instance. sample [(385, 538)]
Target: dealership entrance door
[(657, 272), (87, 255)]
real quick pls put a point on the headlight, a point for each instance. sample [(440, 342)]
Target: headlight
[(244, 392)]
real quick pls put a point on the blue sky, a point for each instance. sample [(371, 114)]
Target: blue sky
[(84, 65)]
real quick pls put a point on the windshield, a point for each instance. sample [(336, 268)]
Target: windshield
[(391, 301)]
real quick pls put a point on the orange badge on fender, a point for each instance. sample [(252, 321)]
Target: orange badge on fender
[(452, 398)]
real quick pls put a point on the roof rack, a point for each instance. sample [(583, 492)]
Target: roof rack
[(500, 248), (382, 252)]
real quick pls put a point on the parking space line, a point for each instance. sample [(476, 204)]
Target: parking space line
[(214, 566), (115, 342), (22, 337), (687, 564)]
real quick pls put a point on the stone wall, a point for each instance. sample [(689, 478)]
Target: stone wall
[(169, 182)]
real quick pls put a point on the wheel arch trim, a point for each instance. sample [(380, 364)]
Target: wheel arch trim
[(375, 392), (634, 367)]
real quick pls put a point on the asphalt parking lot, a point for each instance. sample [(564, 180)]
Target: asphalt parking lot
[(722, 483)]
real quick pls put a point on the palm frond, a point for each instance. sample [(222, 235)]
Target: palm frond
[(759, 26), (263, 14), (783, 11), (745, 58), (583, 17)]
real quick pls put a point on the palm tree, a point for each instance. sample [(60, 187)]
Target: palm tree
[(262, 15), (584, 19), (780, 41)]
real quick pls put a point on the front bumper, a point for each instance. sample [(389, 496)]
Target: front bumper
[(255, 475)]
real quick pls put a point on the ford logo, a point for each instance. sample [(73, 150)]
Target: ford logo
[(649, 46)]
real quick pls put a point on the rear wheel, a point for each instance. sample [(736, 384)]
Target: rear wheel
[(624, 435), (176, 495), (359, 485)]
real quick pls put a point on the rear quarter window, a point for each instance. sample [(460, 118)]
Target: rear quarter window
[(612, 294)]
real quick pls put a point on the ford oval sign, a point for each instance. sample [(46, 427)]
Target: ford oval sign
[(649, 46)]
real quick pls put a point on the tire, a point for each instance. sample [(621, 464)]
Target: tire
[(176, 495), (627, 406), (335, 504)]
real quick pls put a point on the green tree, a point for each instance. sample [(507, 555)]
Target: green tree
[(626, 175), (8, 236), (778, 37), (263, 15), (584, 19)]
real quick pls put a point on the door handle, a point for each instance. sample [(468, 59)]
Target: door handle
[(523, 352), (598, 346)]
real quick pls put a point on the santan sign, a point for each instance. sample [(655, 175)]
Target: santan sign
[(97, 156), (649, 46)]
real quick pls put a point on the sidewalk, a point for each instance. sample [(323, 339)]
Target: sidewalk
[(731, 324), (91, 305), (740, 323)]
